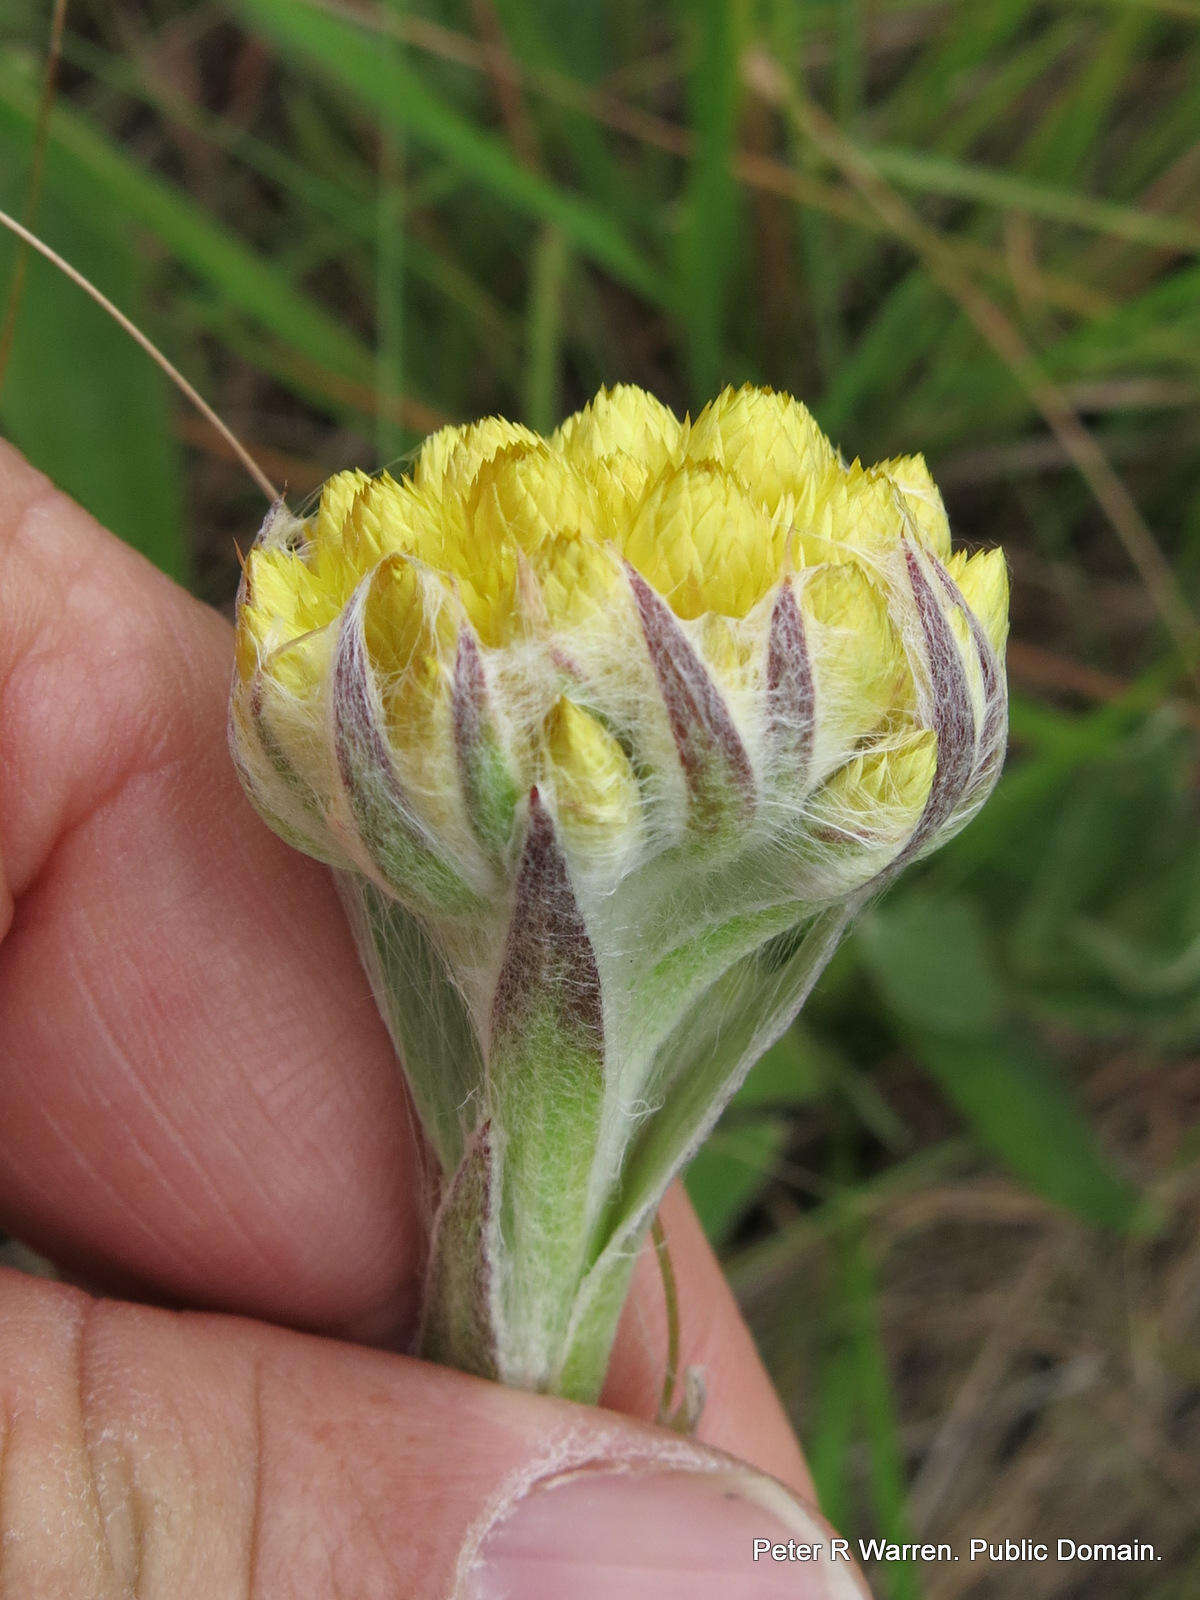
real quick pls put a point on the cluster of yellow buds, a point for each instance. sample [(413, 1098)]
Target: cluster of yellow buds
[(609, 734)]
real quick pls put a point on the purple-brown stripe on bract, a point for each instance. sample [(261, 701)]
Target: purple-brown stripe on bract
[(469, 1201), (273, 750), (356, 720), (548, 956), (469, 695), (257, 727), (952, 712), (398, 848), (715, 765), (790, 698), (992, 739)]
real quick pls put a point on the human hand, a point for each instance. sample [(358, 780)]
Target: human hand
[(199, 1107)]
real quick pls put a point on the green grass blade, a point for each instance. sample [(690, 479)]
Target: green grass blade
[(574, 43), (349, 202), (544, 329), (731, 1168), (80, 398), (227, 266), (390, 264), (1065, 143), (877, 1406), (709, 241), (930, 957), (831, 1438), (352, 60), (1015, 1099), (963, 180)]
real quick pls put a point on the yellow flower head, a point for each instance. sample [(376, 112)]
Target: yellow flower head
[(683, 624)]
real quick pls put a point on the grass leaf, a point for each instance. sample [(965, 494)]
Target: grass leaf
[(351, 59), (930, 957), (79, 397), (709, 240)]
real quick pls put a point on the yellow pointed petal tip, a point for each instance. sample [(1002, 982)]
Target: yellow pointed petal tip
[(337, 498), (595, 790), (386, 516), (450, 458), (922, 500), (983, 583)]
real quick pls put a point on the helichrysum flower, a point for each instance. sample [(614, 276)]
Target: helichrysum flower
[(609, 735)]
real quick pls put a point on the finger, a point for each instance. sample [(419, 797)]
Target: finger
[(199, 1457), (194, 1085)]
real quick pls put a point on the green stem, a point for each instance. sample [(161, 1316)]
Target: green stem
[(465, 1323)]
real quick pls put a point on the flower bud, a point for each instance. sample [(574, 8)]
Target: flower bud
[(589, 774), (608, 735)]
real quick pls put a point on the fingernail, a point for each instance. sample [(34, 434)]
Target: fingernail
[(600, 1535)]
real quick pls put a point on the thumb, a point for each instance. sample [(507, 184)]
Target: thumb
[(183, 1455)]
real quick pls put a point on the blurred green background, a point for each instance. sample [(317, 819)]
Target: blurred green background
[(960, 1201)]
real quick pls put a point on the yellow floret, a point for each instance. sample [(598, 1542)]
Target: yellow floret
[(389, 517), (593, 781), (284, 603), (983, 582), (485, 578), (450, 458), (702, 542), (880, 795), (622, 419), (408, 621), (852, 511), (922, 500), (530, 494), (576, 578), (768, 440), (860, 672), (619, 481)]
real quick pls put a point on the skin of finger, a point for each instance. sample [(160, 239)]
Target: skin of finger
[(216, 1108), (194, 1455), (216, 1115)]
